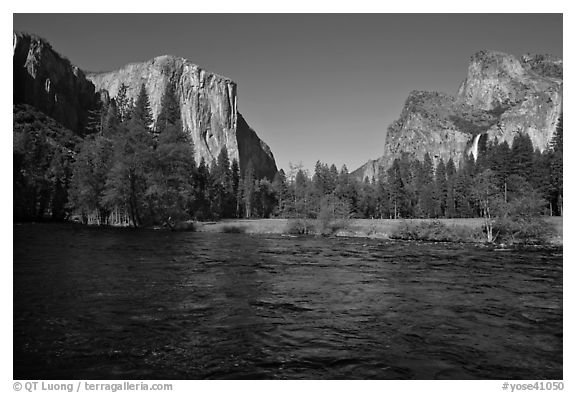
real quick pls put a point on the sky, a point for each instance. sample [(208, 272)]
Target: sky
[(313, 86)]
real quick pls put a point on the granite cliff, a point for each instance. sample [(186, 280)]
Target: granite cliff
[(501, 97), (208, 105), (49, 82)]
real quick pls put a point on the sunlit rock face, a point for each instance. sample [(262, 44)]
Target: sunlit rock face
[(501, 97), (528, 92), (208, 102), (44, 79), (208, 105)]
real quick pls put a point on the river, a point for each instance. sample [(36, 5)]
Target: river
[(92, 303)]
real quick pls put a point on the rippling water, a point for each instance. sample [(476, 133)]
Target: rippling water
[(95, 303)]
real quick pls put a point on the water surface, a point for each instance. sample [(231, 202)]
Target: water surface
[(94, 303)]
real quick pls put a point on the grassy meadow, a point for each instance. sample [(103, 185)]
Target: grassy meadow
[(368, 228)]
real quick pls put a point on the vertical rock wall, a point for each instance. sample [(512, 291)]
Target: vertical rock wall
[(208, 104)]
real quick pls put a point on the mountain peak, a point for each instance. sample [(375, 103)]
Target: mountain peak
[(501, 97), (208, 102)]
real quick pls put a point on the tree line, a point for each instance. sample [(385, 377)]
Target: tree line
[(411, 188), (130, 171)]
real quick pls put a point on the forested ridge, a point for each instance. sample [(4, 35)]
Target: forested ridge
[(129, 172)]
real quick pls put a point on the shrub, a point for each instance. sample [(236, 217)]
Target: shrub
[(233, 229), (299, 227), (182, 226), (523, 230), (435, 231)]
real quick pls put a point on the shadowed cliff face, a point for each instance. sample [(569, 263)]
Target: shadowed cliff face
[(501, 97), (208, 104), (254, 152), (47, 81)]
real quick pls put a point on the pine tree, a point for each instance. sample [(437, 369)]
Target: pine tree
[(142, 114), (169, 110), (127, 180), (451, 194), (332, 179), (462, 187), (396, 189), (170, 185), (366, 200), (89, 173), (236, 197), (556, 168), (111, 121), (426, 187), (265, 199), (200, 207), (521, 156), (248, 191), (441, 189), (303, 195), (221, 189), (382, 196), (321, 179), (96, 118), (280, 188), (123, 103)]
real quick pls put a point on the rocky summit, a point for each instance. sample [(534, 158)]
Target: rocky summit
[(208, 102), (500, 97)]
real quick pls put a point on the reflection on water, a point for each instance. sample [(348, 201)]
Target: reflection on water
[(118, 304)]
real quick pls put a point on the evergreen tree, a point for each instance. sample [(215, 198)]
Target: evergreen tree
[(321, 179), (264, 198), (382, 197), (124, 104), (43, 155), (127, 180), (451, 194), (200, 205), (170, 185), (236, 196), (169, 110), (280, 188), (521, 156), (141, 113), (426, 187), (111, 121), (366, 200), (462, 187), (343, 187), (89, 173), (556, 168), (441, 189), (96, 118), (225, 199), (303, 196), (396, 189), (332, 179), (248, 191)]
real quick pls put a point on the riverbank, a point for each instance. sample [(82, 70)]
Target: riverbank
[(367, 228)]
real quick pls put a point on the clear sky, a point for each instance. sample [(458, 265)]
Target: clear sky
[(313, 86)]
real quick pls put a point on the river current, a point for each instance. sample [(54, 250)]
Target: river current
[(92, 303)]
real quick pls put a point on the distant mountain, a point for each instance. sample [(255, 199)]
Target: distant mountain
[(500, 97), (208, 102)]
